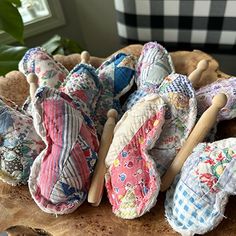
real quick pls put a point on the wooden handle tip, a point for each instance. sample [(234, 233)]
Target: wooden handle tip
[(112, 113), (219, 100), (32, 78), (203, 64), (85, 56)]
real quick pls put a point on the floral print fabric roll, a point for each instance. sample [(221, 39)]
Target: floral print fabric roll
[(132, 180), (19, 145)]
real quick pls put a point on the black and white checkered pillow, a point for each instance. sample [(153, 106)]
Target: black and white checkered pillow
[(209, 25)]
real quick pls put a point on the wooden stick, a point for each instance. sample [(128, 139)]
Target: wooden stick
[(85, 57), (97, 184), (201, 129), (197, 73), (33, 83)]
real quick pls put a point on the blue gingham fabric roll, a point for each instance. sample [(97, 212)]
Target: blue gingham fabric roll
[(196, 201)]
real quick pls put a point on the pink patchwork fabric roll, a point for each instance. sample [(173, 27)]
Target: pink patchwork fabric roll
[(132, 180), (60, 175)]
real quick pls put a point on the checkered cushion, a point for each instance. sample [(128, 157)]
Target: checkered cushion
[(179, 24), (196, 201)]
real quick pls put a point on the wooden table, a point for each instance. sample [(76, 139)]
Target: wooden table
[(18, 208)]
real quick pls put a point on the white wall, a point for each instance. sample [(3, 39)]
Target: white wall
[(90, 22), (98, 26)]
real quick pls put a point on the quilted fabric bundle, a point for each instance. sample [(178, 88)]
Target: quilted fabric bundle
[(130, 196), (132, 181), (60, 175), (206, 93), (196, 201), (83, 86), (155, 74), (19, 146), (68, 120), (178, 93), (38, 61), (116, 76)]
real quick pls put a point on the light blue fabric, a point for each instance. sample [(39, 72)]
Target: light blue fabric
[(153, 66), (116, 76), (19, 145), (196, 201)]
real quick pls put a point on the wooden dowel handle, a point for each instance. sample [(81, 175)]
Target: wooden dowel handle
[(201, 129), (32, 79), (85, 57), (197, 73), (97, 184)]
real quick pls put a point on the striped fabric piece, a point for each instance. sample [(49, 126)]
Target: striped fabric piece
[(179, 24), (60, 175)]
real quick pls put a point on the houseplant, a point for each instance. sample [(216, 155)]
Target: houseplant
[(11, 22)]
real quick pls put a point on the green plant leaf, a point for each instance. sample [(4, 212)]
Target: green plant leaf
[(10, 19), (10, 57), (71, 46), (53, 44), (60, 45), (15, 2)]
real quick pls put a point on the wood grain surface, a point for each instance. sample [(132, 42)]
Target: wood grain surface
[(18, 208)]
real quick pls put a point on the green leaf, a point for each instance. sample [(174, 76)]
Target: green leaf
[(60, 45), (10, 57), (53, 44), (15, 2), (71, 46), (10, 19)]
